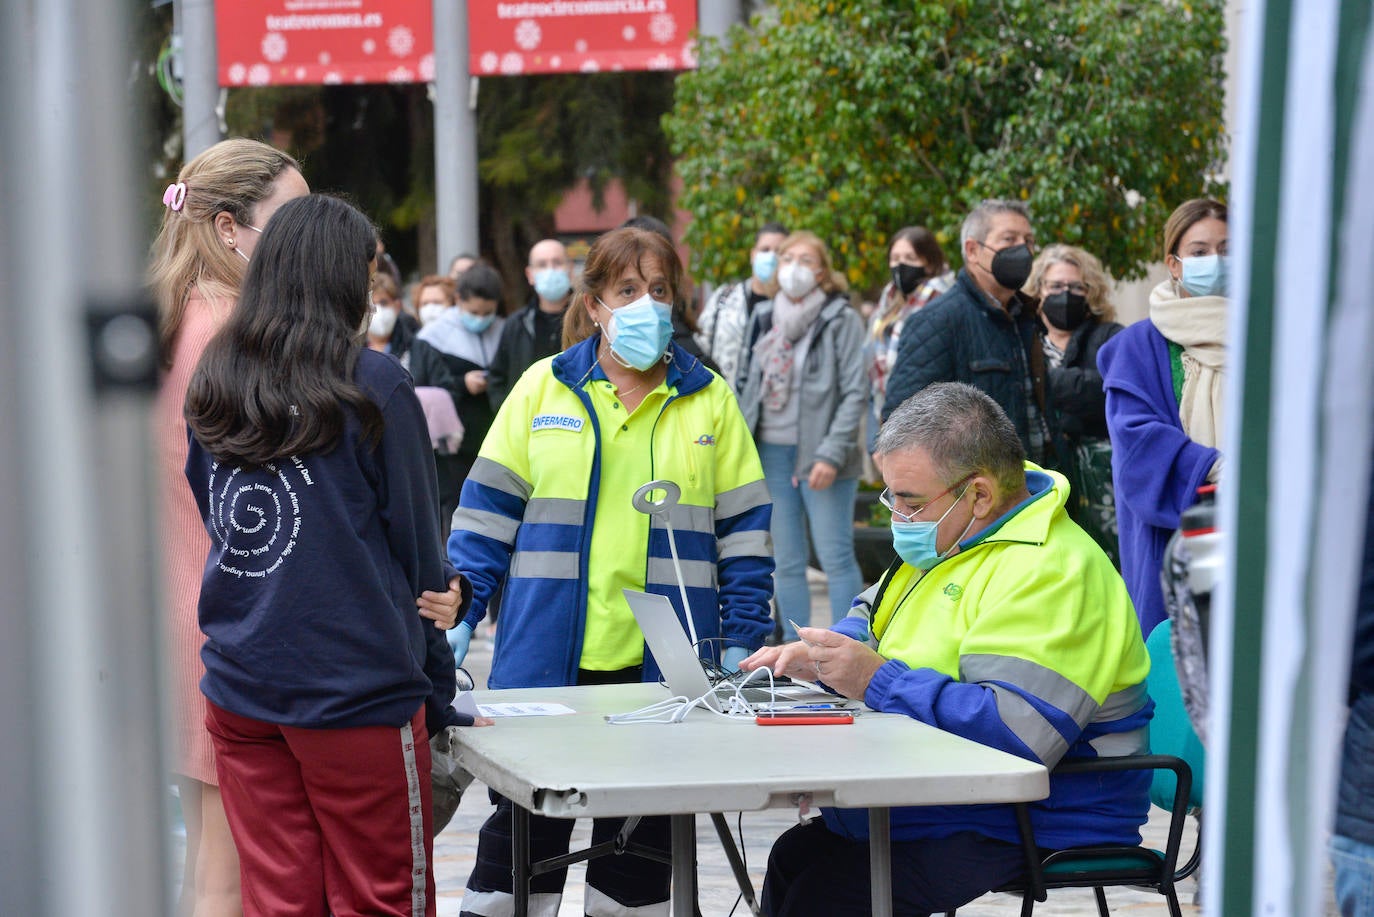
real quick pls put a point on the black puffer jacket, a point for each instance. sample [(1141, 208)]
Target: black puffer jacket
[(1080, 404), (520, 346), (963, 336)]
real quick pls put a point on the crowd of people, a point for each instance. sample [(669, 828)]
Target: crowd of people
[(355, 475)]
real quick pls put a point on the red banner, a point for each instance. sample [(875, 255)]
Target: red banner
[(509, 37), (283, 42)]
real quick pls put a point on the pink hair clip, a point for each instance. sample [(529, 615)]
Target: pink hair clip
[(175, 195)]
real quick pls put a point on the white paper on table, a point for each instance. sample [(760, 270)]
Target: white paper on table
[(533, 708)]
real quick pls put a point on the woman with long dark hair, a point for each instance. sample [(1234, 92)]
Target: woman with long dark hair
[(310, 463)]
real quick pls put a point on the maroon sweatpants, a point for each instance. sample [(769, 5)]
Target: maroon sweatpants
[(328, 821)]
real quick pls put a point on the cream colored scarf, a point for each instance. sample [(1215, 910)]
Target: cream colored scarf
[(1198, 323)]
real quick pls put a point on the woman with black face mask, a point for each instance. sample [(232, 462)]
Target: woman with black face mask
[(1072, 288), (918, 273)]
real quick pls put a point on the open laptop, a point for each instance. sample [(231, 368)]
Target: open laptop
[(681, 667)]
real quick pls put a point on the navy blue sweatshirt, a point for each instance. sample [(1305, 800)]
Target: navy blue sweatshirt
[(308, 597), (1355, 793)]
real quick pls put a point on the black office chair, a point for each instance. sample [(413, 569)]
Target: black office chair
[(1177, 786)]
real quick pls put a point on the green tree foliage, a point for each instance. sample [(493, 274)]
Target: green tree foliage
[(855, 117)]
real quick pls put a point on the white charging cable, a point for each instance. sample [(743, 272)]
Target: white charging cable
[(662, 508), (675, 709)]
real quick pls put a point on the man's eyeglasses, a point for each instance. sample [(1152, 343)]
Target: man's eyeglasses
[(1059, 286), (889, 501)]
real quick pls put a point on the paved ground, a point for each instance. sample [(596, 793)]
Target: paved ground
[(456, 845)]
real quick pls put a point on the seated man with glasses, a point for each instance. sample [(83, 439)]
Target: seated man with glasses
[(1004, 623)]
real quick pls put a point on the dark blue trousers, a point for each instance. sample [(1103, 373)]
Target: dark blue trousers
[(813, 872)]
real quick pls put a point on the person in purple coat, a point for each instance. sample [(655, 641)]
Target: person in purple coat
[(1163, 380)]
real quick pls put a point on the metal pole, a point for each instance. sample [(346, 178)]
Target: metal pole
[(76, 500), (455, 134), (195, 22), (714, 17)]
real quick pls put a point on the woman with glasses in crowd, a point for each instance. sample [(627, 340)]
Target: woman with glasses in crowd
[(1078, 319)]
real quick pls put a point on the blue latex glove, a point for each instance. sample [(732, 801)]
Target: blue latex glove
[(732, 657), (458, 639)]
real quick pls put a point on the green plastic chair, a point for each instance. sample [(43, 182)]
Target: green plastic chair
[(1177, 760)]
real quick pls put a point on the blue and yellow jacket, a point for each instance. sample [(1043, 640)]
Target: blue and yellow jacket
[(1026, 641), (546, 484)]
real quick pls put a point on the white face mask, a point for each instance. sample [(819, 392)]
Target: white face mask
[(796, 280), (431, 311), (383, 322)]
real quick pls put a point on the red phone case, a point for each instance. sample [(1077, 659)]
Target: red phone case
[(833, 719)]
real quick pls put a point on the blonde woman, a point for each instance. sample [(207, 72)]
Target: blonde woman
[(215, 212), (1078, 319), (804, 398)]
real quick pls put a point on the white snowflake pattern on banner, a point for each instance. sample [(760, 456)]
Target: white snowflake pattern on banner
[(237, 73), (300, 73), (580, 46), (333, 79), (274, 46), (325, 58), (628, 33), (661, 62), (528, 34), (591, 66), (259, 75), (427, 68), (689, 55), (400, 41), (662, 27), (489, 62), (512, 63), (400, 75), (369, 46), (556, 61)]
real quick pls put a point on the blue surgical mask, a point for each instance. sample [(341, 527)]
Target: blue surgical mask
[(475, 323), (552, 283), (765, 265), (915, 542), (1205, 275), (639, 332)]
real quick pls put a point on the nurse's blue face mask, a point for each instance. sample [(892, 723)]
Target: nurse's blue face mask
[(638, 333)]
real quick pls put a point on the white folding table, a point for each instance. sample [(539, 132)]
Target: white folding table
[(578, 765)]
